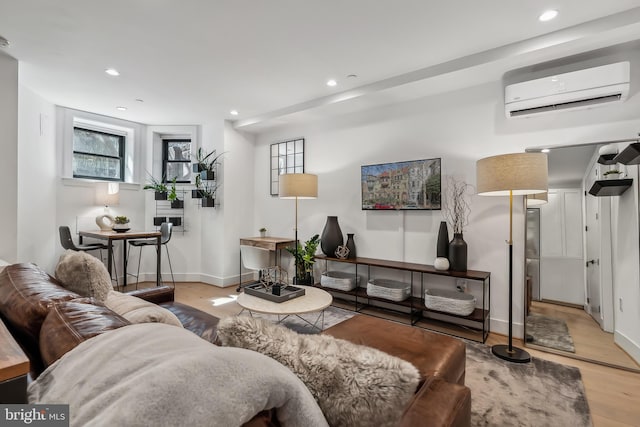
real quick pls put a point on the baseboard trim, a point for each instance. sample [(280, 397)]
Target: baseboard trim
[(501, 327), (627, 344)]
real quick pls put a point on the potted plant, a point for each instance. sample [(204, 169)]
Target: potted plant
[(208, 173), (176, 203), (158, 186), (612, 174), (121, 224), (263, 232), (158, 220), (175, 220), (304, 259), (197, 192), (208, 193), (201, 160)]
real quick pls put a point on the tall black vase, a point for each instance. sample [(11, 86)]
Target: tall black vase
[(331, 237), (351, 245), (442, 249), (458, 253)]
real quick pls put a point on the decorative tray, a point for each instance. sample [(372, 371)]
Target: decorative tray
[(287, 292)]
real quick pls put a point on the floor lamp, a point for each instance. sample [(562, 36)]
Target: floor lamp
[(511, 175), (298, 186)]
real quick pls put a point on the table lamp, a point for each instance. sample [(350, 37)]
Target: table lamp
[(517, 174), (107, 195), (298, 186)]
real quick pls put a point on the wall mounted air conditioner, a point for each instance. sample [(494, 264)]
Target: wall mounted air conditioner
[(575, 90)]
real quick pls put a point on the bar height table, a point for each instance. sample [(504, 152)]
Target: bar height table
[(110, 236)]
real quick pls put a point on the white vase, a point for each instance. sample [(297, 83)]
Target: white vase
[(441, 264)]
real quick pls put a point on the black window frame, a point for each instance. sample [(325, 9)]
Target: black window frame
[(121, 152), (166, 161)]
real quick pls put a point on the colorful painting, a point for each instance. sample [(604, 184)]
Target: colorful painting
[(413, 185)]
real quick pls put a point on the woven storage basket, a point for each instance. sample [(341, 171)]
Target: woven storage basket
[(453, 302), (339, 280), (388, 289)]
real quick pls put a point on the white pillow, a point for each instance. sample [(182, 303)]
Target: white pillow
[(84, 274), (354, 385), (137, 310)]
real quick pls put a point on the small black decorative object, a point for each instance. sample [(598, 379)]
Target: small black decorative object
[(351, 245), (458, 253), (331, 237), (275, 289), (442, 249)]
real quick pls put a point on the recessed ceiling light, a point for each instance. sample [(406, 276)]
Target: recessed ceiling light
[(121, 108), (545, 150), (331, 83), (139, 100), (548, 15), (352, 76), (4, 42), (112, 72), (233, 112)]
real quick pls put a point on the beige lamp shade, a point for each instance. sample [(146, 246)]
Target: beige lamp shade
[(537, 199), (298, 185), (519, 173), (108, 194)]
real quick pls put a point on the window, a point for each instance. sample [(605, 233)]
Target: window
[(176, 160), (286, 157), (98, 155)]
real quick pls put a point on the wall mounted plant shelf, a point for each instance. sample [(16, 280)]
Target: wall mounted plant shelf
[(607, 159), (610, 187)]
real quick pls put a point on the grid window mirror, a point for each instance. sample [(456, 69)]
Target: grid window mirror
[(98, 155), (286, 157), (176, 160)]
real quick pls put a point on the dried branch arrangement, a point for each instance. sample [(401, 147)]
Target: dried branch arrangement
[(456, 203)]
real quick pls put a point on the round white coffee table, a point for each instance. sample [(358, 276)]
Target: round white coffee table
[(313, 300)]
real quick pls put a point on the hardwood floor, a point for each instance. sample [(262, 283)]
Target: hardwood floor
[(590, 341), (613, 394)]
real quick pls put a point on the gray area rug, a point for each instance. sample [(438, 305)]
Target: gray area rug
[(549, 332), (540, 393), (504, 394)]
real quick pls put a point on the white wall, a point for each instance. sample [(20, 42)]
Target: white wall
[(37, 230), (625, 258), (9, 157), (460, 127), (238, 203)]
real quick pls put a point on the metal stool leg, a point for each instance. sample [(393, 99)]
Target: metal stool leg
[(138, 273), (170, 268)]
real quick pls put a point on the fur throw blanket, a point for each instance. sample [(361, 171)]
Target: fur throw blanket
[(354, 385), (155, 374)]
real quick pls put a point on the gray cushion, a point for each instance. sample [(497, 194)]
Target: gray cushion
[(354, 385), (84, 274), (137, 310)]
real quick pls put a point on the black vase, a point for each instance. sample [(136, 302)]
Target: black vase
[(458, 253), (442, 249), (331, 237), (351, 245)]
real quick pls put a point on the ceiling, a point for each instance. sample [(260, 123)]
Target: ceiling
[(193, 61)]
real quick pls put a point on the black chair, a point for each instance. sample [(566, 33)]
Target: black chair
[(67, 243), (166, 229)]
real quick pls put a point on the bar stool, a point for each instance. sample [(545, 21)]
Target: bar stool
[(67, 243), (166, 229)]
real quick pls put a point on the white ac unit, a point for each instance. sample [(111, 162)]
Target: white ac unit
[(577, 89)]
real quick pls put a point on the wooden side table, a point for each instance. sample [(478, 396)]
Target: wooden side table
[(14, 367)]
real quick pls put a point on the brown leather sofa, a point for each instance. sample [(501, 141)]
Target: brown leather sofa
[(27, 295)]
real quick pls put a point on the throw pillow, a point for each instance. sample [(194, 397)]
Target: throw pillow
[(354, 385), (137, 310), (84, 274)]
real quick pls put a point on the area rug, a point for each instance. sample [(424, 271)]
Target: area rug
[(540, 393), (549, 332)]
